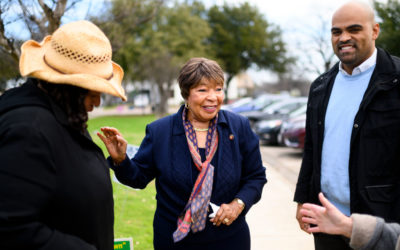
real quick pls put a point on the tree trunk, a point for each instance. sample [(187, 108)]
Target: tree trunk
[(161, 108), (227, 82)]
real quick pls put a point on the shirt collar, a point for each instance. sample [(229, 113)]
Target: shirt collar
[(371, 61)]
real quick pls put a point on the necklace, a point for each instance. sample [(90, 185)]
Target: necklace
[(200, 129)]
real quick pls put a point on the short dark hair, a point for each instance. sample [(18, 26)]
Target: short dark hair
[(195, 70)]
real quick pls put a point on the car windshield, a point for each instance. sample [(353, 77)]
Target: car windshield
[(267, 99), (241, 102), (299, 111), (283, 106)]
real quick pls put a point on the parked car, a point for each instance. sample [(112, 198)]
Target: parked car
[(276, 110), (269, 130), (298, 112), (259, 103), (238, 103), (294, 132)]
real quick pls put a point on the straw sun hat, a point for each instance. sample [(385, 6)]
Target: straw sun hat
[(78, 54)]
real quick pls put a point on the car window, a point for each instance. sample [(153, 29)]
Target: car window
[(299, 111)]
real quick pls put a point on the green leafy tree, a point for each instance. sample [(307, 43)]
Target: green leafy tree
[(151, 41), (242, 37), (389, 36), (124, 21), (177, 34)]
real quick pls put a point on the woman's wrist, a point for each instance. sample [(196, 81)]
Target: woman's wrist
[(240, 203), (119, 160)]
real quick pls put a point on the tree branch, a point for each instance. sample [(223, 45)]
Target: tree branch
[(71, 6), (153, 13), (53, 17), (30, 20), (7, 43)]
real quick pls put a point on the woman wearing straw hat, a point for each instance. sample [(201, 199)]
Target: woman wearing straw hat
[(55, 190), (199, 156)]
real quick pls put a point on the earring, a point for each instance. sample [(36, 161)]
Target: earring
[(186, 105)]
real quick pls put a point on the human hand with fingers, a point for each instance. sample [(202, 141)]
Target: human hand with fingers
[(303, 225), (116, 145), (327, 218), (227, 213)]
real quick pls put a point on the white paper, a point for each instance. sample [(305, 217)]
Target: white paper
[(215, 209)]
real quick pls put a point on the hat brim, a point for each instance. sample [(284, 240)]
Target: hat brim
[(32, 63)]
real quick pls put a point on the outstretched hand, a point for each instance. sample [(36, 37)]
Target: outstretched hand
[(116, 145), (327, 219)]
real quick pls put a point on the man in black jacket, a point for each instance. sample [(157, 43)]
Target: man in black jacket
[(352, 147)]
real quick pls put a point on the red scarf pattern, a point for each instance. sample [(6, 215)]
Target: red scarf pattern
[(194, 215)]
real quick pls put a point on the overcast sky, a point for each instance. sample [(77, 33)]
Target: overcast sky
[(299, 20)]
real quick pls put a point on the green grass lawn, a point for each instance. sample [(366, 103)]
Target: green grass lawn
[(134, 209)]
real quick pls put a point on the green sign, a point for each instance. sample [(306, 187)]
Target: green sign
[(123, 244)]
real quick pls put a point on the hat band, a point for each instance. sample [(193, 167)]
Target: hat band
[(44, 59)]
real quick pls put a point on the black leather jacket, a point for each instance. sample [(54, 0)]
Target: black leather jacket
[(374, 164)]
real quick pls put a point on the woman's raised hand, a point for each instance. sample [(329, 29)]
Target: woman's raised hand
[(114, 142)]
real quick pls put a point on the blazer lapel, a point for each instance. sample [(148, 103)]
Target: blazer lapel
[(180, 154), (225, 171)]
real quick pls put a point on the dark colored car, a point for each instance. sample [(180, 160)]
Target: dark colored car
[(269, 130), (294, 132)]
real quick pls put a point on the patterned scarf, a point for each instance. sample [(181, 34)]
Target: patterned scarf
[(195, 213)]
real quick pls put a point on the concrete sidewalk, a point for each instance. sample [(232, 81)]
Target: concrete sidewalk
[(125, 109), (272, 220), (120, 110)]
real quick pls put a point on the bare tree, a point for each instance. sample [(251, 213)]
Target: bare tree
[(7, 44), (38, 17), (317, 53)]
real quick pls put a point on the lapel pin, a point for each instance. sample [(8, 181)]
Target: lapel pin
[(231, 137)]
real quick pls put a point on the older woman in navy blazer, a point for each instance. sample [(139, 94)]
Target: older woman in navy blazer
[(199, 155)]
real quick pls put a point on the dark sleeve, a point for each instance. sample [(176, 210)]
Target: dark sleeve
[(140, 170), (27, 183), (253, 176), (303, 183)]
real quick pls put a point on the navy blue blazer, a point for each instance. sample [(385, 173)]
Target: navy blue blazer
[(164, 155)]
